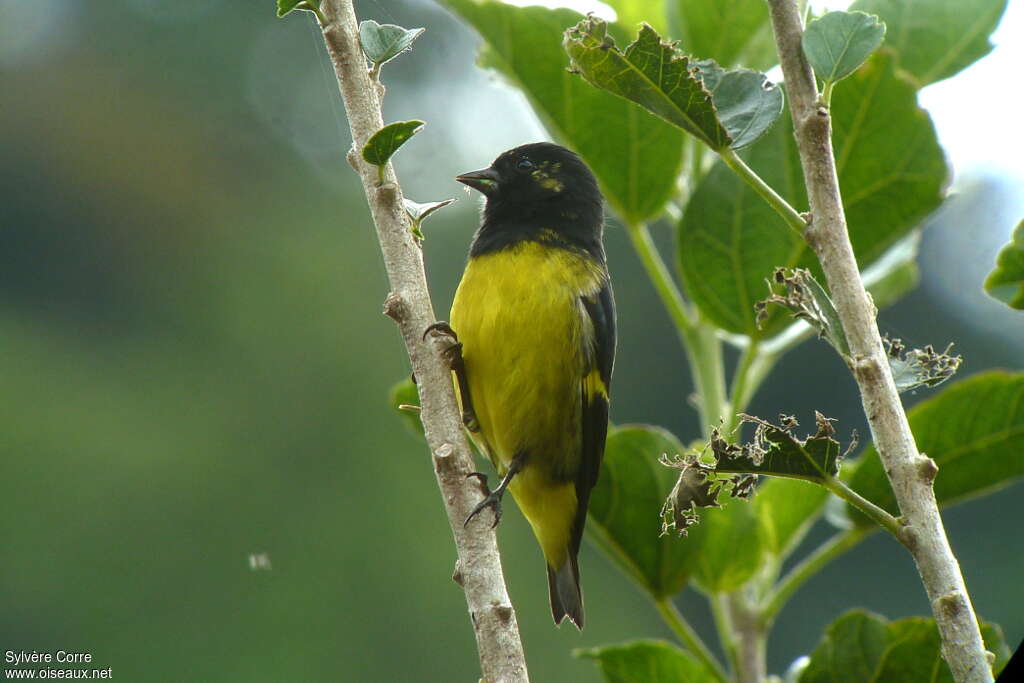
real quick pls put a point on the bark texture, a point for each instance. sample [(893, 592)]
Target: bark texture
[(910, 472), (479, 565)]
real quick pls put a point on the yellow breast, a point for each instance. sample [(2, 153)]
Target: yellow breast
[(524, 332)]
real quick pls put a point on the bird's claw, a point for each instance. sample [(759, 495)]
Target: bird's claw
[(442, 327), (493, 501), (452, 353)]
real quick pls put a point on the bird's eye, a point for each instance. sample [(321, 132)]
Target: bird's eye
[(524, 164)]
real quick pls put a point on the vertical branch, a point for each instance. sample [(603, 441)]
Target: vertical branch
[(910, 472), (479, 564)]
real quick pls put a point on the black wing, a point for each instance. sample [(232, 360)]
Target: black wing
[(601, 310)]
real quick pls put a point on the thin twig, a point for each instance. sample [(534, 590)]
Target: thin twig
[(877, 514), (479, 564), (793, 219), (910, 472)]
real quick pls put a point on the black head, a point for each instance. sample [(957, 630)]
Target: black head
[(539, 187)]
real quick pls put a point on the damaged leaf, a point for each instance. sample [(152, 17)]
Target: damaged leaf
[(695, 488), (651, 73), (919, 367), (774, 450), (798, 291), (802, 294)]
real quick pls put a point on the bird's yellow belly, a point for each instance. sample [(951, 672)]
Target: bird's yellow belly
[(523, 328)]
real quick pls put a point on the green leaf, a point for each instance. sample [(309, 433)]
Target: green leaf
[(646, 661), (727, 545), (747, 103), (623, 511), (1006, 281), (785, 510), (635, 156), (630, 13), (732, 33), (850, 650), (936, 39), (386, 141), (971, 430), (839, 42), (860, 646), (286, 6), (650, 73), (730, 241), (383, 42), (404, 397)]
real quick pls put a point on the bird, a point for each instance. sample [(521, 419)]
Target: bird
[(534, 318)]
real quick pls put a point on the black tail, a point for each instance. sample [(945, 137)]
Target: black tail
[(564, 591)]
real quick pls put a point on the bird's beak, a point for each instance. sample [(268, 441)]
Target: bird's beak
[(485, 180)]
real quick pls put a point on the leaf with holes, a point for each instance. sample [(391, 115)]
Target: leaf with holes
[(804, 296), (776, 451), (915, 368), (650, 73)]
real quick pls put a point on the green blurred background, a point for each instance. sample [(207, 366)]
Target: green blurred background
[(195, 365)]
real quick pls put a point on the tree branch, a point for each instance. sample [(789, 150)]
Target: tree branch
[(910, 472), (479, 564)]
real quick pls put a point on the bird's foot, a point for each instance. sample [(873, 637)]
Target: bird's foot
[(452, 353), (492, 499)]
